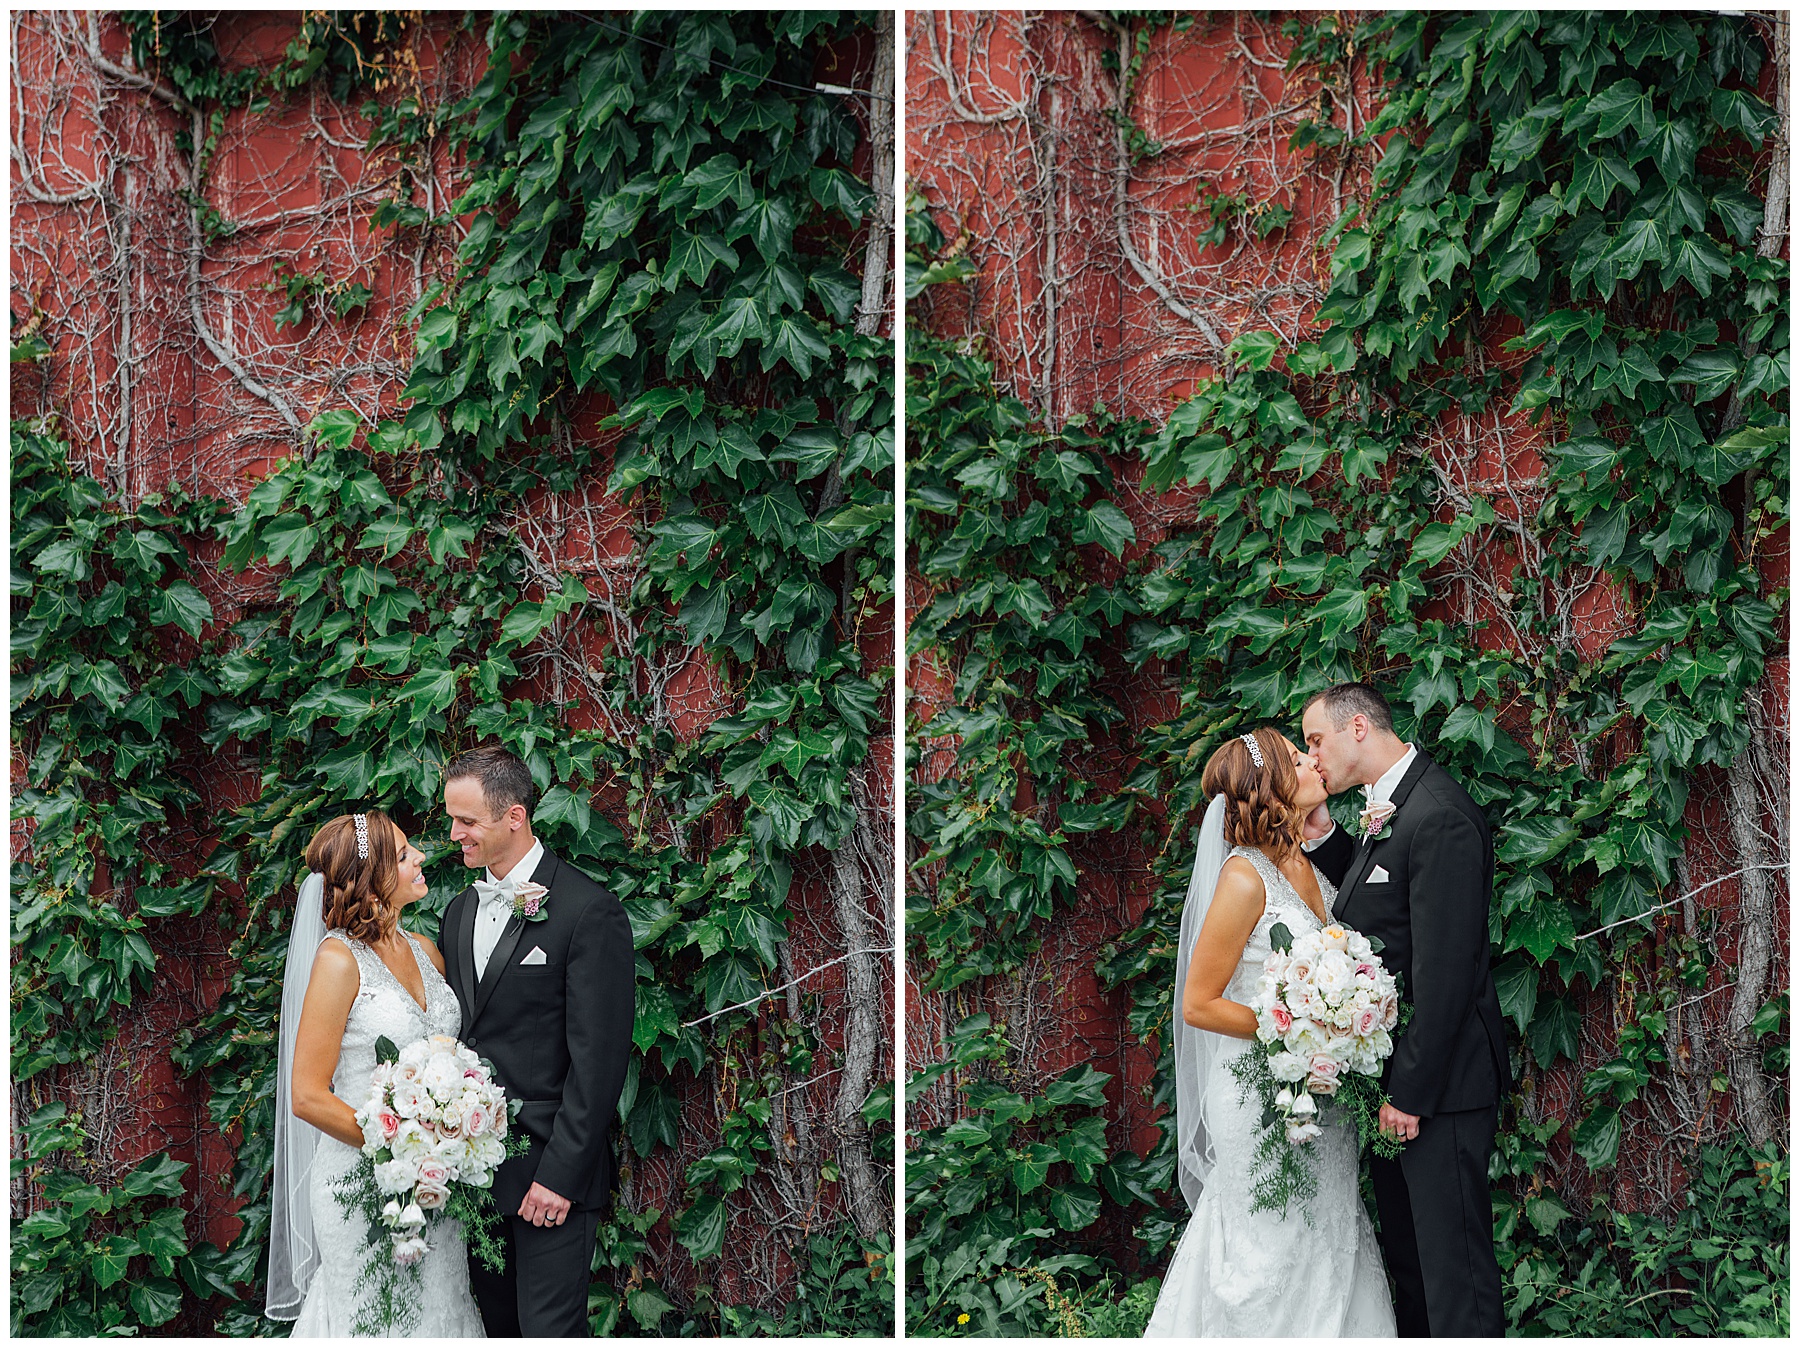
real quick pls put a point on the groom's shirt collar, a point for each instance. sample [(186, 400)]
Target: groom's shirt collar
[(1383, 788), (526, 867)]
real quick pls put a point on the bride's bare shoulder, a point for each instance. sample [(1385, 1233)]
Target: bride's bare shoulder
[(335, 960), (1239, 882)]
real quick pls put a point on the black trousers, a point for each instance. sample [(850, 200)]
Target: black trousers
[(543, 1292), (1437, 1228)]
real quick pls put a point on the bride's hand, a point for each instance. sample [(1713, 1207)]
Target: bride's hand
[(1317, 824)]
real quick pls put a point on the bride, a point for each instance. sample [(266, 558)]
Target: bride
[(352, 976), (1316, 1272)]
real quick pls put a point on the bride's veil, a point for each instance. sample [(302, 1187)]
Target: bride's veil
[(1196, 1051), (293, 1250)]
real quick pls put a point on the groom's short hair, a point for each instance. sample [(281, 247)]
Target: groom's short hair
[(505, 780), (1344, 700)]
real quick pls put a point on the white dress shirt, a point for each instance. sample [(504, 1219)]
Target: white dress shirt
[(1382, 790), (491, 915)]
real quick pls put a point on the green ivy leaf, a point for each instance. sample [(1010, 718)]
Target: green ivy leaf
[(1104, 523)]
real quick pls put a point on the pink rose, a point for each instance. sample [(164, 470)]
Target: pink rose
[(434, 1172), (430, 1196), (1322, 1079), (450, 1125), (1390, 1011), (1284, 1019), (1366, 1020), (1365, 970), (390, 1124), (476, 1121), (476, 1073)]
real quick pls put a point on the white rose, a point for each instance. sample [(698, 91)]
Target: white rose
[(1336, 975), (1304, 1106), (443, 1076), (452, 1151), (412, 1215), (1306, 1038), (410, 1099), (395, 1177), (431, 1196), (1287, 1066), (412, 1142), (1284, 1097), (373, 1140)]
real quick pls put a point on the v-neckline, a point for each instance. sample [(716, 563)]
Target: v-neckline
[(1295, 889), (424, 983)]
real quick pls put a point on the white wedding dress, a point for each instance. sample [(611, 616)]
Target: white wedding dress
[(1239, 1274), (446, 1307)]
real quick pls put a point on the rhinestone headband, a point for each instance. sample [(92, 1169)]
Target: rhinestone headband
[(1249, 743), (362, 834)]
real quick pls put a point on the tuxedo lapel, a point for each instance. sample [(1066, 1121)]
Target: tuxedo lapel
[(509, 939), (462, 925), (509, 942), (1365, 850)]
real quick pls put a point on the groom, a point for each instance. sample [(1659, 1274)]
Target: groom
[(1421, 881), (541, 959)]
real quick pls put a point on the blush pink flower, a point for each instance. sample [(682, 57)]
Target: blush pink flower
[(1284, 1019), (1322, 1079)]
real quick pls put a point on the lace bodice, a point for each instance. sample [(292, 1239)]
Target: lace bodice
[(383, 1006), (1281, 903)]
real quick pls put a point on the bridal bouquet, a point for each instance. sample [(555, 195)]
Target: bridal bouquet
[(434, 1130), (1325, 1012)]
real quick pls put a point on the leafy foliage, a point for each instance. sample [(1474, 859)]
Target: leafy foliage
[(1576, 186), (660, 251)]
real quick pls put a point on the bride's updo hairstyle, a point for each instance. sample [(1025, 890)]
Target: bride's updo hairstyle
[(356, 887), (1258, 801)]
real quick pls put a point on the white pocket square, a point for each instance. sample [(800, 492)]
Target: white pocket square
[(1378, 876), (537, 956)]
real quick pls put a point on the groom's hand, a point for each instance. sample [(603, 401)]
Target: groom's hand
[(1393, 1121), (1317, 824), (543, 1208)]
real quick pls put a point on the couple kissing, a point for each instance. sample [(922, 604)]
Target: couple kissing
[(1417, 884)]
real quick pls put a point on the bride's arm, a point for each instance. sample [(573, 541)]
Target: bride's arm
[(329, 994), (1236, 905)]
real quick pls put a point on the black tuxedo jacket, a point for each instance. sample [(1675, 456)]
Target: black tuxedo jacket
[(558, 1033), (1431, 913)]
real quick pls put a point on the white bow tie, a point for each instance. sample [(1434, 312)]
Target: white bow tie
[(496, 893)]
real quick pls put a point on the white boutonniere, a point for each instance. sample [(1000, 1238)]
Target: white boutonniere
[(528, 901), (1374, 821)]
